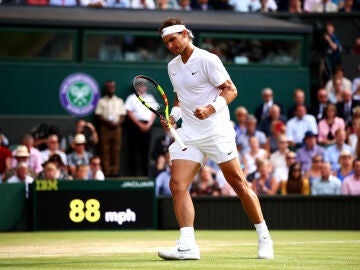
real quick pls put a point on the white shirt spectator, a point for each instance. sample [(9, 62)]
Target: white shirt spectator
[(296, 128), (251, 5)]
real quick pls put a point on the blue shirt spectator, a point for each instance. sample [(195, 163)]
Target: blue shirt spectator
[(332, 153)]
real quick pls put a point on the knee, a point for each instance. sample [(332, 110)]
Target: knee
[(177, 187), (242, 188)]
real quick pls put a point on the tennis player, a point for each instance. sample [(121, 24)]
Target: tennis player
[(203, 89)]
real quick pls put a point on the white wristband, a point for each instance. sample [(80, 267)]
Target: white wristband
[(219, 103), (176, 113)]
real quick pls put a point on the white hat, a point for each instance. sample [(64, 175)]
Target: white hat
[(79, 139), (22, 151)]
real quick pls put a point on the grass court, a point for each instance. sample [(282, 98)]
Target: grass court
[(138, 250)]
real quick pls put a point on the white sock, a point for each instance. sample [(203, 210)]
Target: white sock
[(187, 235), (262, 229)]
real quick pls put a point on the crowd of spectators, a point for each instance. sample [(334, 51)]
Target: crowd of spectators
[(292, 6), (303, 150), (311, 150)]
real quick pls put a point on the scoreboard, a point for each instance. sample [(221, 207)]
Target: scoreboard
[(78, 204)]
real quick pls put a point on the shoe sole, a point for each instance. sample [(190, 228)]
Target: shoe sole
[(172, 258)]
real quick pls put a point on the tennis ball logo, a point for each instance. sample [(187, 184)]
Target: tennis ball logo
[(79, 94)]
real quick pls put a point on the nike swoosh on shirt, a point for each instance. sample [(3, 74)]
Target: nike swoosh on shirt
[(193, 73)]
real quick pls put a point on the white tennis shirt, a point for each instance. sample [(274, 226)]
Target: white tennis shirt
[(195, 83)]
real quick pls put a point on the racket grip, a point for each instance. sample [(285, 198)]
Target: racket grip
[(177, 138)]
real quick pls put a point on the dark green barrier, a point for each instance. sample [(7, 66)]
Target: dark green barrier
[(113, 204), (14, 207), (281, 213)]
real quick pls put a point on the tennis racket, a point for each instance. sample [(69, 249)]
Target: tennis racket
[(153, 97)]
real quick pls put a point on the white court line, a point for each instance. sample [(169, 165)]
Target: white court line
[(293, 243)]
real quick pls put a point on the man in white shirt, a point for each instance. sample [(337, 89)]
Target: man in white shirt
[(53, 148), (297, 126), (139, 130), (203, 89)]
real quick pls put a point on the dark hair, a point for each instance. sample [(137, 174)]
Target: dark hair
[(294, 184), (170, 22)]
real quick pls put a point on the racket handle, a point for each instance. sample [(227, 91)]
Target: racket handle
[(177, 138)]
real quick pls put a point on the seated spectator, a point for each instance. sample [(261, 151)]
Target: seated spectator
[(328, 126), (295, 6), (315, 169), (346, 165), (241, 114), (353, 137), (332, 153), (338, 74), (322, 100), (225, 188), (52, 143), (61, 168), (297, 126), (162, 182), (278, 158), (263, 109), (21, 175), (327, 184), (90, 133), (324, 6), (249, 159), (296, 182), (79, 156), (265, 183), (5, 159), (82, 172), (159, 153), (185, 5), (204, 184), (278, 128), (34, 159), (348, 6), (95, 172), (305, 154), (21, 154), (346, 106), (282, 175), (299, 99), (274, 116), (337, 95), (50, 172), (351, 184), (242, 141)]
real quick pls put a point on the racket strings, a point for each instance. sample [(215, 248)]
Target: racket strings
[(150, 94)]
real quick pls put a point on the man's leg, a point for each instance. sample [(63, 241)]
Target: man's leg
[(183, 173), (251, 205)]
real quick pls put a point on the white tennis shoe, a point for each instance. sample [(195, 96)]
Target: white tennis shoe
[(265, 250), (181, 251)]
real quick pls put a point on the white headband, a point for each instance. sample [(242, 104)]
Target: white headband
[(175, 29)]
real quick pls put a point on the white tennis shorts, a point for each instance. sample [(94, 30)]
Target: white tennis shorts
[(219, 148)]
